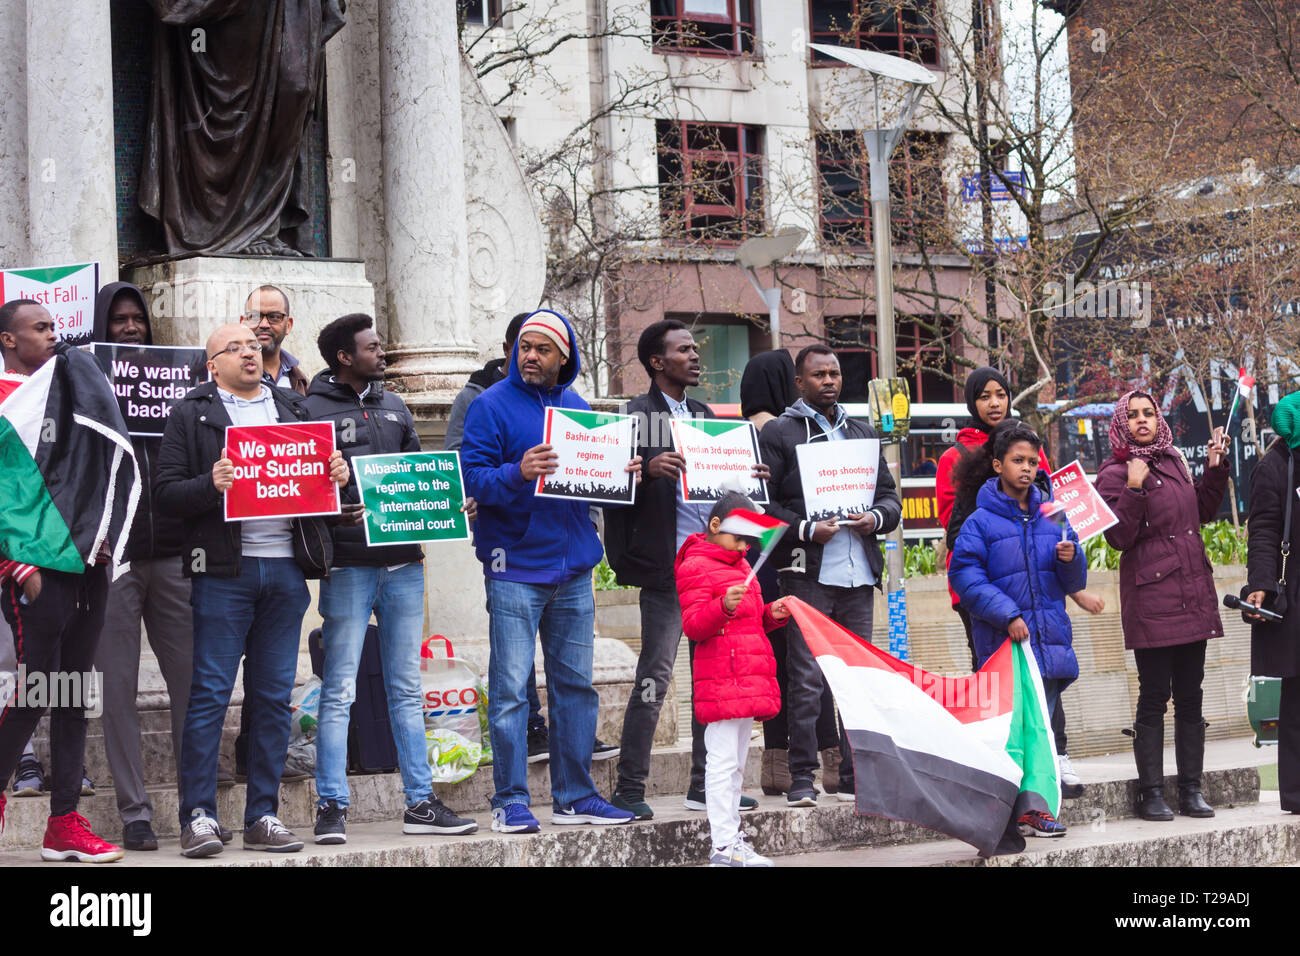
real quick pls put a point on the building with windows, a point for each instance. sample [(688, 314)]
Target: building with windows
[(715, 122)]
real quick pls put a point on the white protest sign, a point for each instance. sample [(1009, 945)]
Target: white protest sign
[(839, 477), (67, 292), (720, 457), (594, 449)]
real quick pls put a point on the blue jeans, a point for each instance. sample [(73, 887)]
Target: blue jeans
[(347, 597), (256, 616), (565, 615)]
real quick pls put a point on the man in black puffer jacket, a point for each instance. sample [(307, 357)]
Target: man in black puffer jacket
[(385, 579)]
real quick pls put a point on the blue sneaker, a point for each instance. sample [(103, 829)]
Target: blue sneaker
[(591, 810), (514, 818)]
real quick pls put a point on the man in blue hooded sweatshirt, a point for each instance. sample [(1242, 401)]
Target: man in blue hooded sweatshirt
[(537, 556)]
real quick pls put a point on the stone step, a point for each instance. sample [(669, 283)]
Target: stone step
[(1258, 835), (377, 799)]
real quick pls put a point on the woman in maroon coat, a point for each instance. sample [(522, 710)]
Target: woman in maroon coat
[(1168, 601)]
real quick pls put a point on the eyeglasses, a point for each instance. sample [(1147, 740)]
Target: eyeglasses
[(237, 348), (254, 319)]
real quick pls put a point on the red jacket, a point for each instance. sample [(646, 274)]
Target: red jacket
[(735, 672)]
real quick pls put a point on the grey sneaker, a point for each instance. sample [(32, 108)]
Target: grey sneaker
[(268, 833), (739, 853), (200, 837)]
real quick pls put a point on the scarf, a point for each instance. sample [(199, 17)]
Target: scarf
[(1123, 446), (975, 383), (1286, 420)]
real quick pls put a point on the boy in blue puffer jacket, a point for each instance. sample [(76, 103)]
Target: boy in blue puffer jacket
[(1012, 569)]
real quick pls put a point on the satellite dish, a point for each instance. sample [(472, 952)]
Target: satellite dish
[(881, 64), (762, 251)]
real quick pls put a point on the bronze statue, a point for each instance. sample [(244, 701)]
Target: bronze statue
[(234, 84)]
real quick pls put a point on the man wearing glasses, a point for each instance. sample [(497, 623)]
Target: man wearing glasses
[(248, 591), (267, 313)]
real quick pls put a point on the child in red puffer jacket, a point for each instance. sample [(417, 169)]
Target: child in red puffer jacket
[(734, 670)]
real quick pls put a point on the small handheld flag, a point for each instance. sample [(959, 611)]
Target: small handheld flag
[(750, 524), (1244, 384), (1054, 512)]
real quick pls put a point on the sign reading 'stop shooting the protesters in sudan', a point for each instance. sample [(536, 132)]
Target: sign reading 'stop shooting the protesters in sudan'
[(281, 471), (720, 457), (412, 498), (149, 379), (593, 450)]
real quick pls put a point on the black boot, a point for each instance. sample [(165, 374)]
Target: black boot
[(1149, 755), (1189, 751)]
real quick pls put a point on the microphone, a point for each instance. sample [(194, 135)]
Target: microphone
[(1237, 604)]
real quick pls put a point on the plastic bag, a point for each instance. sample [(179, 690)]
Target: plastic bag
[(304, 714), (451, 720), (483, 729)]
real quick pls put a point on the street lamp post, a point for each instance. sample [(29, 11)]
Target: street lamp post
[(760, 252), (881, 143)]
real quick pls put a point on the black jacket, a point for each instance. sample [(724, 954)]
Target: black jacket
[(1274, 647), (191, 445), (153, 534), (641, 540), (777, 442), (379, 424)]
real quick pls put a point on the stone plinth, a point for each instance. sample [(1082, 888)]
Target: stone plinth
[(188, 298)]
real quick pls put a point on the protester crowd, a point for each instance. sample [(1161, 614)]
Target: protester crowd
[(211, 593)]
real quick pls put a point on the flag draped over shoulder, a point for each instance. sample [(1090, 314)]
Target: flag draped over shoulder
[(70, 475), (966, 756)]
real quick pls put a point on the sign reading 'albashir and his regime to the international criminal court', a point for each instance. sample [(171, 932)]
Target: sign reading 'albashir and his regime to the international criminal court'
[(412, 497)]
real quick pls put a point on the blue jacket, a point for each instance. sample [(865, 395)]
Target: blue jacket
[(1004, 566), (518, 536)]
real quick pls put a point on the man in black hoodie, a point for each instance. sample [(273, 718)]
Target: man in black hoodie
[(152, 590), (387, 580)]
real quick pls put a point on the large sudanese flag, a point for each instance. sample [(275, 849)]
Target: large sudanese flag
[(70, 475), (966, 756)]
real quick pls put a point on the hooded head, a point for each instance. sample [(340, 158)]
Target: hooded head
[(1286, 420), (121, 315), (976, 382), (555, 326), (767, 384)]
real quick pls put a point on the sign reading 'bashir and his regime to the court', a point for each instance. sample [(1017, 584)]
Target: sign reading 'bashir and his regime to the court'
[(412, 498), (281, 471), (593, 450), (1085, 509)]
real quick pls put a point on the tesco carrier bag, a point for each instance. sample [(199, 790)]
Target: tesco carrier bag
[(451, 720)]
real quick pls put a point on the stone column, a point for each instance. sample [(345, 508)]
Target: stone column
[(427, 289), (13, 152), (71, 187)]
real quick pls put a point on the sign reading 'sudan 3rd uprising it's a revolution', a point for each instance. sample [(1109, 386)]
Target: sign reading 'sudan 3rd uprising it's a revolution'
[(149, 380), (839, 477), (593, 450), (1085, 509), (281, 471), (411, 498), (720, 457), (67, 292)]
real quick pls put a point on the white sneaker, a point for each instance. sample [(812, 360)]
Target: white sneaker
[(739, 853), (1068, 777)]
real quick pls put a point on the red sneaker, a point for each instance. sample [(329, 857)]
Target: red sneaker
[(69, 837)]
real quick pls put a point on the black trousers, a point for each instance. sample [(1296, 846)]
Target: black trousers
[(1288, 745), (1165, 670), (55, 638)]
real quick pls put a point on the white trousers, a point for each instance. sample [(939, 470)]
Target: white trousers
[(727, 745)]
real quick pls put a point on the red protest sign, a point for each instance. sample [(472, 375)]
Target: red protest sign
[(1087, 512), (281, 471)]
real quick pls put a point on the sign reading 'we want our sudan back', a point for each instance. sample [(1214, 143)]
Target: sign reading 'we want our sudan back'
[(412, 498), (281, 471)]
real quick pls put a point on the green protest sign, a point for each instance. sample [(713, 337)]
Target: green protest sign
[(412, 498)]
